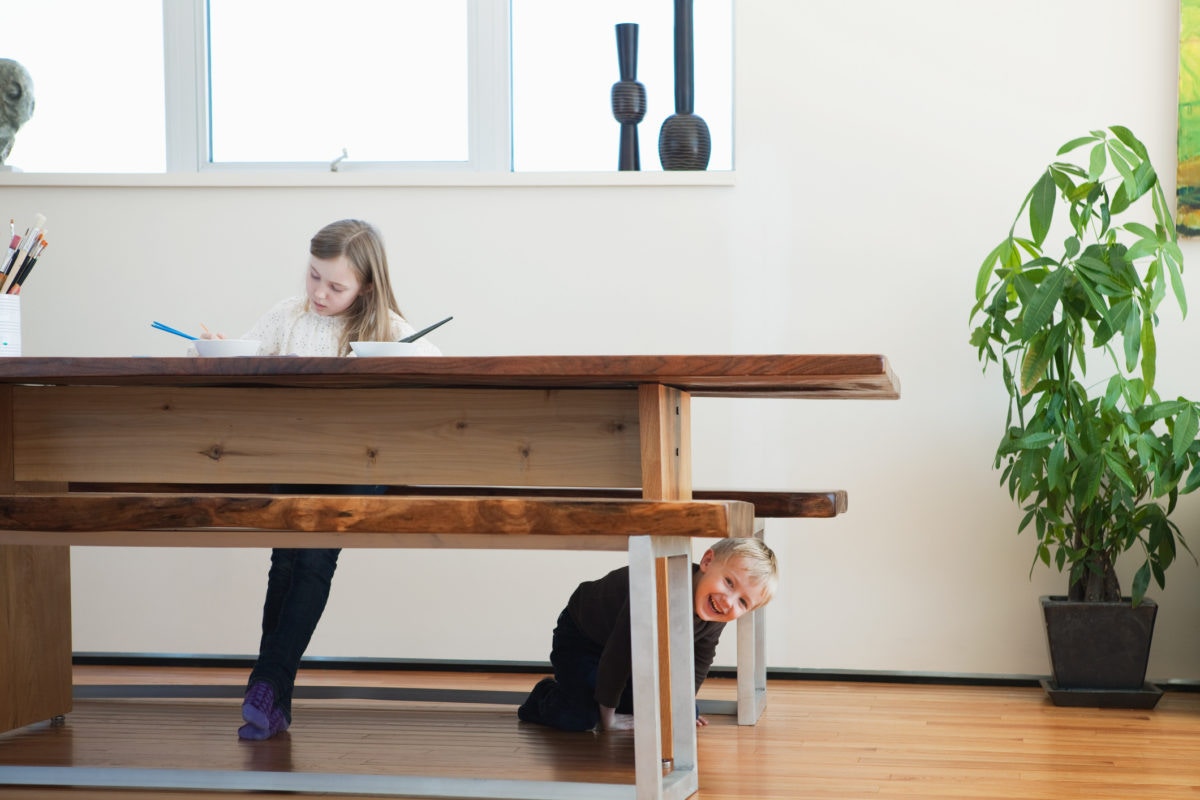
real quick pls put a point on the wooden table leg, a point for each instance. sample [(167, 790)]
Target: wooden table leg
[(35, 634), (664, 415), (35, 614)]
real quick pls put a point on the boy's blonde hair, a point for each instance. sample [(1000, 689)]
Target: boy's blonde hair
[(367, 318), (759, 560)]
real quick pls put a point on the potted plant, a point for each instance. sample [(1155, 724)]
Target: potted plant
[(1096, 460)]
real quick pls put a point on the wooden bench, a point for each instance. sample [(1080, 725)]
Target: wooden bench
[(441, 516)]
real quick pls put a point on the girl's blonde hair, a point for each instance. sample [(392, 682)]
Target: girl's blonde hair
[(758, 559), (367, 318)]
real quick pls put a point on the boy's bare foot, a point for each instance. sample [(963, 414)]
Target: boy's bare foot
[(619, 722)]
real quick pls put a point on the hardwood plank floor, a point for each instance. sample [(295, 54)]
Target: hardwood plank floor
[(816, 740)]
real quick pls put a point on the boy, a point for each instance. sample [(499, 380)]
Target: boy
[(591, 654)]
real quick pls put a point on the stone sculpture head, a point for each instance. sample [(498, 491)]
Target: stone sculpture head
[(16, 103)]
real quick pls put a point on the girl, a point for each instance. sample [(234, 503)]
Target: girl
[(348, 298)]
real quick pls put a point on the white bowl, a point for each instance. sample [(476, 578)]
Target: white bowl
[(227, 347), (374, 349)]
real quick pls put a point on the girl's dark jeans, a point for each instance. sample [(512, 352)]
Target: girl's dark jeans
[(297, 590)]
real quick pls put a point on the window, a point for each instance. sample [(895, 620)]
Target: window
[(564, 64), (198, 85), (98, 84), (385, 81)]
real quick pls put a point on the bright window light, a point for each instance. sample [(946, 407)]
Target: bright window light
[(299, 80), (97, 71)]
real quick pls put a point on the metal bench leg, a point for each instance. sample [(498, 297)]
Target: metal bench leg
[(751, 660), (683, 779)]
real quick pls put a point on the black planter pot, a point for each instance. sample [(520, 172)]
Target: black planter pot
[(1099, 652)]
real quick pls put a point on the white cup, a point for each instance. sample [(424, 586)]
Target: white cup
[(10, 325)]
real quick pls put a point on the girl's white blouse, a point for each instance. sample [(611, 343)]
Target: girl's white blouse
[(289, 328)]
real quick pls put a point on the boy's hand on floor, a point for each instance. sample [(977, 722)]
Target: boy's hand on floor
[(701, 722)]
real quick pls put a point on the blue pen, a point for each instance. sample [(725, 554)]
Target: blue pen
[(169, 329)]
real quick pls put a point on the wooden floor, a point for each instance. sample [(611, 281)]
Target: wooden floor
[(816, 740)]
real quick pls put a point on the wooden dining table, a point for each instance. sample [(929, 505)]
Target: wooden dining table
[(168, 452)]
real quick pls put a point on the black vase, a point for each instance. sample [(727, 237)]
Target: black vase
[(684, 142), (628, 96)]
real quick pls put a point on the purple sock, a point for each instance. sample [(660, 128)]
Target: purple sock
[(263, 718), (257, 705), (276, 723)]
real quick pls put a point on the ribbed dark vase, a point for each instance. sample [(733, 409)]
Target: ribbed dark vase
[(628, 96), (684, 142)]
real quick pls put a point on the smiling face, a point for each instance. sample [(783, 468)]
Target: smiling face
[(724, 591), (332, 285)]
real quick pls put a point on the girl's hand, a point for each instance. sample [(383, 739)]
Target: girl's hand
[(209, 334)]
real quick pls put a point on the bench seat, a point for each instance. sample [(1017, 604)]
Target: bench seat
[(768, 503), (84, 518)]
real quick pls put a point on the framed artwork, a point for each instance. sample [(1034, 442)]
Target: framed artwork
[(1188, 170)]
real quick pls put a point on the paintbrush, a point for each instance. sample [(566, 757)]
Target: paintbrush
[(22, 274)]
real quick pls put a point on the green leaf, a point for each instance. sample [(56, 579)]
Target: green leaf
[(1114, 322), (1144, 177), (1132, 332), (1187, 425), (1118, 469), (1087, 481), (1116, 388), (1129, 140), (1174, 258), (1163, 214), (1149, 352), (1142, 248), (1138, 229), (1036, 362), (1120, 201), (1102, 273), (1041, 207), (1093, 296), (1074, 143), (985, 269), (1040, 308), (1054, 465), (1034, 441), (1097, 162), (1193, 480), (1141, 582)]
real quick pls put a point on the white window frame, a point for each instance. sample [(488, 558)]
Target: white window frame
[(185, 48)]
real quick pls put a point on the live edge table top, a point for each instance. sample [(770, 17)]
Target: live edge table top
[(783, 375)]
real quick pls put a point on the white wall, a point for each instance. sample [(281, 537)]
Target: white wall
[(882, 149)]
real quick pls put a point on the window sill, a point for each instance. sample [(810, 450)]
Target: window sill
[(321, 180)]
